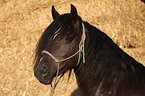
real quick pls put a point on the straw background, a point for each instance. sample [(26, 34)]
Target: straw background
[(23, 21)]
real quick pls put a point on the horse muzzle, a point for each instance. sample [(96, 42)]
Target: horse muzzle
[(44, 73)]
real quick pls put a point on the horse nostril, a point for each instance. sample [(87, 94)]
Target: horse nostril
[(44, 70)]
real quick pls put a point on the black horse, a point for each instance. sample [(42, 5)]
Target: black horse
[(100, 66)]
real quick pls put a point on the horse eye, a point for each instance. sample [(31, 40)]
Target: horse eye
[(70, 37)]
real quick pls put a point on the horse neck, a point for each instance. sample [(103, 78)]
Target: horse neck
[(103, 69), (84, 82)]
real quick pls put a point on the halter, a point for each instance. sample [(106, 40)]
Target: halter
[(80, 50)]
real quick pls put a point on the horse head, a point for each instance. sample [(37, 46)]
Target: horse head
[(60, 47)]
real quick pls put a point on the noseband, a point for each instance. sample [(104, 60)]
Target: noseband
[(80, 50)]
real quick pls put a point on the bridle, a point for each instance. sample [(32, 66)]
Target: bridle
[(80, 50)]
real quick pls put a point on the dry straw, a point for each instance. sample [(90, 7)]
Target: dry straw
[(23, 21)]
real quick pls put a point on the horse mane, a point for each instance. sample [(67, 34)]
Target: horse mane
[(106, 63)]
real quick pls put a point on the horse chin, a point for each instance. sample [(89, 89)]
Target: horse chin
[(46, 82)]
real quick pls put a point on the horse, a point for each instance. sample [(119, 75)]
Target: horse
[(100, 66)]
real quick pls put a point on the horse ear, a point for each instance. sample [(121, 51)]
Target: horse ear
[(74, 14), (55, 14)]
